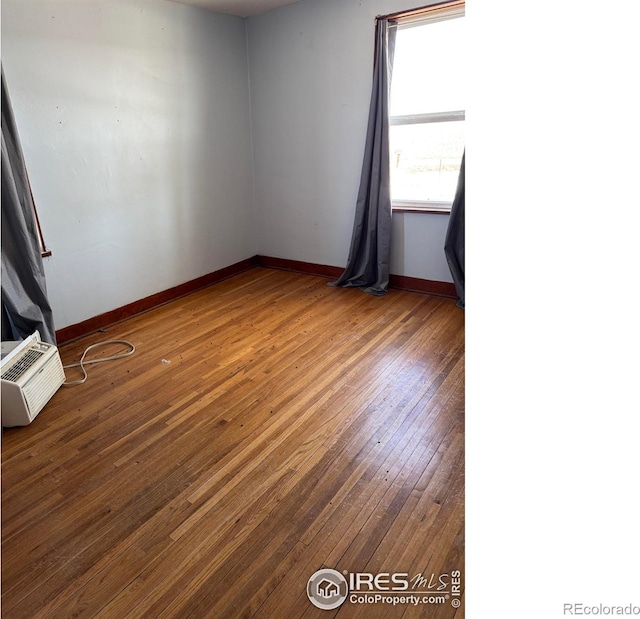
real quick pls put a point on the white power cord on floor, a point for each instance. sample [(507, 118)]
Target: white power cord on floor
[(82, 362)]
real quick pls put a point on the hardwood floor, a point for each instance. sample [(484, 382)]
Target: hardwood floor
[(266, 427)]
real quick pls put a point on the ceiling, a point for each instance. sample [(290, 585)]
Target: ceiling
[(242, 8)]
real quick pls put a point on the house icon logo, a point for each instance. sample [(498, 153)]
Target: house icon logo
[(327, 589)]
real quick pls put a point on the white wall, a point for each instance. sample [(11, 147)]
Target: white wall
[(134, 119), (310, 69)]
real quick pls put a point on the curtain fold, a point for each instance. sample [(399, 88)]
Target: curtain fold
[(454, 241), (370, 252), (25, 306)]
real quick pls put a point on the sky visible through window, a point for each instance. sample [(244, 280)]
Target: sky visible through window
[(428, 77)]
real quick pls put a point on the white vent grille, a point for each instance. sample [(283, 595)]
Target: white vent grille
[(43, 385), (22, 365)]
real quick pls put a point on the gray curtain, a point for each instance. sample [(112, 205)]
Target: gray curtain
[(454, 241), (370, 253), (25, 306)]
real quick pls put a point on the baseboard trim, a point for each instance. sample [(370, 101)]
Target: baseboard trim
[(90, 325), (307, 268), (398, 282), (424, 286)]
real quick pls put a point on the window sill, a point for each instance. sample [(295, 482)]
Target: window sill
[(442, 208)]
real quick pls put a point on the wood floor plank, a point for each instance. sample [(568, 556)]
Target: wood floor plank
[(267, 426)]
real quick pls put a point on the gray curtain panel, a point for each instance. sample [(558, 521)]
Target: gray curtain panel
[(25, 306), (370, 253), (454, 241)]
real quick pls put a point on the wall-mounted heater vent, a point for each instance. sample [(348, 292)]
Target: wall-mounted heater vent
[(31, 373)]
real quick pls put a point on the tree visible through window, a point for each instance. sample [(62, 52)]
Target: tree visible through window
[(427, 108)]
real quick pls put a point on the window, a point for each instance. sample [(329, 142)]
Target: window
[(427, 108)]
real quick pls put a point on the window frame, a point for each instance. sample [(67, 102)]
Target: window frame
[(415, 17)]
